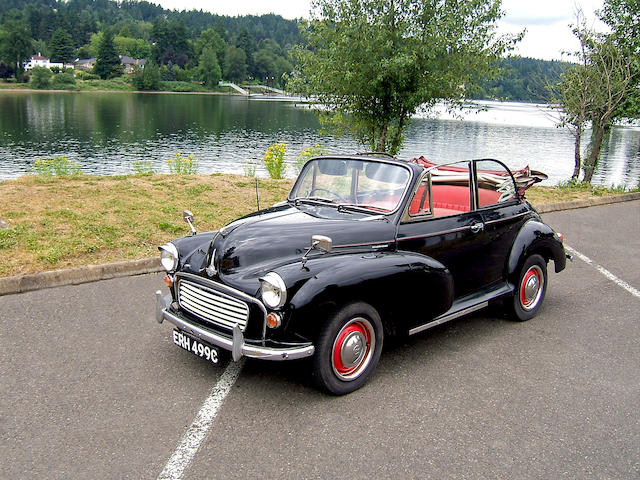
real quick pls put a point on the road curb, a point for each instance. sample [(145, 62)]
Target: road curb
[(592, 202), (77, 275), (93, 273)]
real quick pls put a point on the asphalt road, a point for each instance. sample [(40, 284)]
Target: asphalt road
[(92, 387)]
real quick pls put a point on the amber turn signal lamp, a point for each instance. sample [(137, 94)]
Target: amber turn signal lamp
[(168, 281), (273, 320)]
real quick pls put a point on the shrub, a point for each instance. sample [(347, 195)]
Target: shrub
[(84, 75), (274, 160), (249, 168), (59, 166), (63, 81), (143, 167), (183, 165), (40, 77), (307, 154)]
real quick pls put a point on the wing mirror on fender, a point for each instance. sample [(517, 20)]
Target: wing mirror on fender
[(318, 242), (188, 217)]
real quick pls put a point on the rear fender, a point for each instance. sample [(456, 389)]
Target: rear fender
[(535, 238)]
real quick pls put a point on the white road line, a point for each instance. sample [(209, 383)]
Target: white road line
[(197, 432), (621, 283)]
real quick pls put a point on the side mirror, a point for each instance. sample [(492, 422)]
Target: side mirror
[(322, 243), (188, 217)]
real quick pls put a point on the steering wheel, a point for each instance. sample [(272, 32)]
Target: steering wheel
[(331, 192)]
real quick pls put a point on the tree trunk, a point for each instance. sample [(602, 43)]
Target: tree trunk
[(577, 154), (594, 151)]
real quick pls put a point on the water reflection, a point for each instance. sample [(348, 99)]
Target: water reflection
[(107, 132)]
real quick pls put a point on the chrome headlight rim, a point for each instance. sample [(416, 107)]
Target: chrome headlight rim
[(273, 291), (169, 257)]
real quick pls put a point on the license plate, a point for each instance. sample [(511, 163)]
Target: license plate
[(196, 347)]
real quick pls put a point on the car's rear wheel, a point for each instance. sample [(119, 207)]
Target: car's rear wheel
[(348, 348), (531, 289)]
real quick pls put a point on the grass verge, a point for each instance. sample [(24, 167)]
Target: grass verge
[(60, 222)]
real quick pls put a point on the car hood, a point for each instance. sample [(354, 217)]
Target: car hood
[(253, 245)]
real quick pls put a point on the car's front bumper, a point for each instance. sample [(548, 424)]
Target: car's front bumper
[(235, 344)]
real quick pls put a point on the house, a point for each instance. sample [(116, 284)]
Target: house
[(85, 63), (129, 63), (40, 61)]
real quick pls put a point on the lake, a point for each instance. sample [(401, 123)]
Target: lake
[(106, 132)]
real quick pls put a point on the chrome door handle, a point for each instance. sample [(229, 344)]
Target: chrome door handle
[(477, 227)]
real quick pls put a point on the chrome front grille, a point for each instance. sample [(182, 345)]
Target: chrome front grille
[(212, 306)]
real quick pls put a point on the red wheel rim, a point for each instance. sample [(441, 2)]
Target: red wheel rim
[(353, 349)]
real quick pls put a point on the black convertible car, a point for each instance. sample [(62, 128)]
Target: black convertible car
[(364, 247)]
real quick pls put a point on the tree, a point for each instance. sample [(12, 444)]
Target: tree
[(596, 90), (623, 16), (61, 46), (374, 63), (147, 78), (15, 45), (107, 61), (208, 68), (235, 64), (210, 38)]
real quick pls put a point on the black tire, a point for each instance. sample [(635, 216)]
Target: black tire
[(348, 348), (530, 289)]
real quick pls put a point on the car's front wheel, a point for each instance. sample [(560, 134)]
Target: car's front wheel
[(348, 348), (531, 289)]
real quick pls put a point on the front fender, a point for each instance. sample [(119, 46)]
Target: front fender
[(535, 237), (405, 288)]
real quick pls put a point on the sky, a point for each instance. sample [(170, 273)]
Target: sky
[(548, 33)]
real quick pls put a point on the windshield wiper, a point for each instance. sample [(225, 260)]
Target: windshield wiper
[(313, 200), (371, 209)]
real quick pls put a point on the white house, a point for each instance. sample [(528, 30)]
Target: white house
[(40, 61)]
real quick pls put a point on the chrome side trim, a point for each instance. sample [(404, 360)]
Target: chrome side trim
[(436, 234), (236, 344), (517, 215), (447, 318)]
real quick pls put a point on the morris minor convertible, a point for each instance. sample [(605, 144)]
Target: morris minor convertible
[(365, 247)]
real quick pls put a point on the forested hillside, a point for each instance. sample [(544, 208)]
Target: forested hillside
[(193, 46), (522, 79)]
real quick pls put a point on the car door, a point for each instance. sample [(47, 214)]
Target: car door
[(441, 222), (502, 214)]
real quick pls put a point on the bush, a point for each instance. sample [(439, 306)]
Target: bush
[(40, 77), (274, 160), (182, 165), (143, 167), (307, 154), (63, 81), (59, 166), (84, 75)]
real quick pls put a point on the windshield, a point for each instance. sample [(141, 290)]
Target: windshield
[(367, 185)]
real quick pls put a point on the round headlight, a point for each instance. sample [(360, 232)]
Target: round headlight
[(274, 291), (169, 257)]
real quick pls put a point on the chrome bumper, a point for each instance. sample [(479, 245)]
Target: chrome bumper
[(235, 345)]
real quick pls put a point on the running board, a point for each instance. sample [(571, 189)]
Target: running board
[(464, 306)]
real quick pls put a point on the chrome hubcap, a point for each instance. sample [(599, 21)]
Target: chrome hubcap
[(353, 349), (531, 288)]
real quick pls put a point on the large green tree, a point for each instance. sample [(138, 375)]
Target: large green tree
[(107, 61), (374, 63), (61, 46), (208, 68), (623, 17), (15, 45), (235, 64), (600, 89)]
